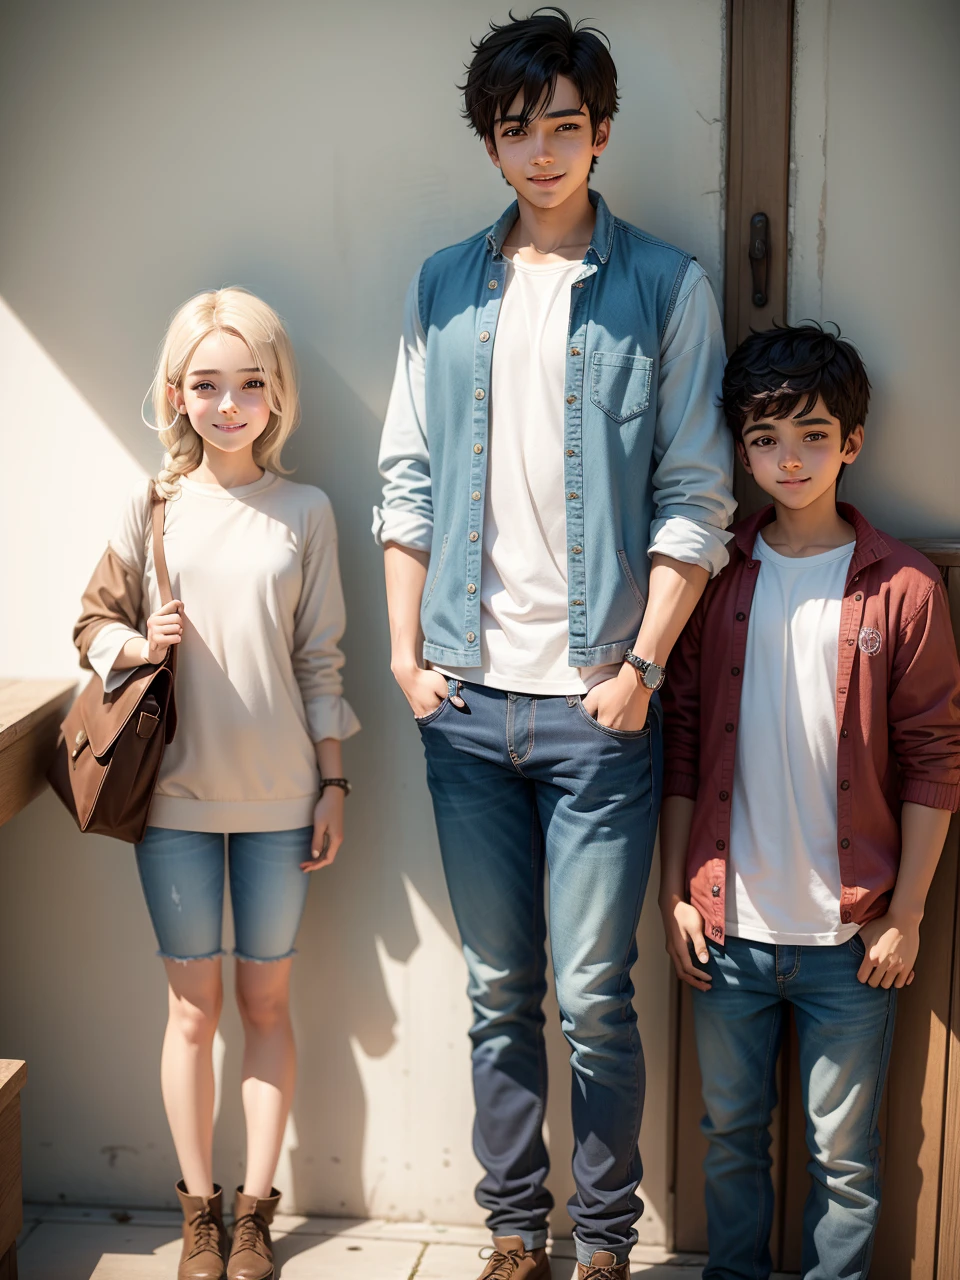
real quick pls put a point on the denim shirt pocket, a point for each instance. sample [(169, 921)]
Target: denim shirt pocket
[(620, 384)]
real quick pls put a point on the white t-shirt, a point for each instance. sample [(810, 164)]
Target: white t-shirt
[(784, 871), (524, 628)]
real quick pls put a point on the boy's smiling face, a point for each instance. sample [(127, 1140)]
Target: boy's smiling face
[(549, 157), (797, 459)]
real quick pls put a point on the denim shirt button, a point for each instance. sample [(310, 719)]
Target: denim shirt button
[(571, 399), (574, 351), (478, 448), (471, 589), (573, 495), (485, 336), (571, 453), (474, 536), (577, 550), (479, 393), (470, 637), (492, 284)]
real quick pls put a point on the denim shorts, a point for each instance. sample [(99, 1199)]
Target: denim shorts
[(183, 873)]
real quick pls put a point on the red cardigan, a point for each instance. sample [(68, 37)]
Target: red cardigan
[(898, 714)]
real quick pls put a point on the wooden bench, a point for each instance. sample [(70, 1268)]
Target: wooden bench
[(30, 716)]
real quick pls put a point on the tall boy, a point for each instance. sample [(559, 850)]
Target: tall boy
[(553, 423), (812, 762)]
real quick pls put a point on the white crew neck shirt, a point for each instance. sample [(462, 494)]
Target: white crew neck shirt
[(784, 871), (524, 627)]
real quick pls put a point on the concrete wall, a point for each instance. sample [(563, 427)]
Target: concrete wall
[(876, 189), (313, 152)]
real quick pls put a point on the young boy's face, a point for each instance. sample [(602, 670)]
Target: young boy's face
[(796, 460), (549, 158)]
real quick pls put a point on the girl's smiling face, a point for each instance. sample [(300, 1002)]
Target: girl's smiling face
[(223, 393)]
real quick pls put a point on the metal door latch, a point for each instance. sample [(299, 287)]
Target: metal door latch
[(759, 258)]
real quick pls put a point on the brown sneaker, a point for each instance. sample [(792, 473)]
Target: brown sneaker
[(604, 1266), (251, 1257), (510, 1261), (204, 1239)]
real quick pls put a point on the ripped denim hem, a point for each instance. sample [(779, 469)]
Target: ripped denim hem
[(211, 955), (264, 959)]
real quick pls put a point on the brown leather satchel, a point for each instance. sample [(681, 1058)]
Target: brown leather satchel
[(110, 746)]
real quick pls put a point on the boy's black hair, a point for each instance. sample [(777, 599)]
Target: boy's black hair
[(525, 55), (772, 373)]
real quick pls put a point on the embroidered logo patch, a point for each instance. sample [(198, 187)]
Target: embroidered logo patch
[(871, 641)]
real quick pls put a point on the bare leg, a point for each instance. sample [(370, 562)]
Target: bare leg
[(186, 1066), (269, 1066)]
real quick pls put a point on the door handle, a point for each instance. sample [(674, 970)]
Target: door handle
[(759, 257)]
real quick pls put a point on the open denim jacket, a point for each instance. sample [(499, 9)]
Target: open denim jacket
[(647, 460)]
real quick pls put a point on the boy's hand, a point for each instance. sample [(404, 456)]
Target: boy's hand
[(423, 689), (619, 703), (683, 925), (891, 944)]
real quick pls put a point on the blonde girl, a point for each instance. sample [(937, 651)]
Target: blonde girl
[(255, 766)]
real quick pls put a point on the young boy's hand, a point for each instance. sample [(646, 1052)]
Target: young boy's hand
[(683, 925), (891, 944)]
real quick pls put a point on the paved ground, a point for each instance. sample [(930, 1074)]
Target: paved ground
[(61, 1243)]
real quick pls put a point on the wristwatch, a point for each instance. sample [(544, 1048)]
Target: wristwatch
[(651, 674)]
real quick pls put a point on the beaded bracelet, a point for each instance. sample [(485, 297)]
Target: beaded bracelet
[(342, 783)]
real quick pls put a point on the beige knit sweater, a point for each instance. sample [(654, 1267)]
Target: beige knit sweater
[(258, 670)]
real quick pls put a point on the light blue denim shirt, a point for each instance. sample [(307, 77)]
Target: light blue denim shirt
[(648, 461)]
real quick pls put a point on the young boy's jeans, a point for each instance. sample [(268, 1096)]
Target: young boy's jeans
[(845, 1029), (519, 782)]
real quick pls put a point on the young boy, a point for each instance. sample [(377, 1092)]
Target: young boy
[(812, 763), (553, 426)]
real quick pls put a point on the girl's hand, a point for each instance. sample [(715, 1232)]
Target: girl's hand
[(683, 925), (891, 943), (164, 628), (327, 829)]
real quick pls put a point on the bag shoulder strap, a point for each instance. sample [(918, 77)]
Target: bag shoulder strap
[(159, 559)]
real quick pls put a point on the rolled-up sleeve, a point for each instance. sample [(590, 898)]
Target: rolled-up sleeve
[(693, 450), (319, 624), (406, 515)]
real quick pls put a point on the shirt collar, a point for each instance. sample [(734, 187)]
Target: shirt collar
[(870, 544), (601, 244)]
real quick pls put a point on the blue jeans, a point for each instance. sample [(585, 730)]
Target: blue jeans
[(183, 874), (845, 1030), (520, 783)]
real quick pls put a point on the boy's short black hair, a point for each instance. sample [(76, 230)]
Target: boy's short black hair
[(772, 373), (525, 55)]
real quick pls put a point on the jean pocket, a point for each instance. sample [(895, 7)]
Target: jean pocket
[(431, 715), (856, 946), (621, 384), (624, 734)]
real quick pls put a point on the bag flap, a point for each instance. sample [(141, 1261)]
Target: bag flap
[(103, 715)]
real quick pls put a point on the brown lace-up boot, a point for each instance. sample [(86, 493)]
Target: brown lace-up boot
[(603, 1266), (204, 1239), (510, 1261), (251, 1257)]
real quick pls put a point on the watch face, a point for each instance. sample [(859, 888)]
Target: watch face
[(653, 677)]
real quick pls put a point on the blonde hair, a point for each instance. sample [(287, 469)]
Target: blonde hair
[(237, 312)]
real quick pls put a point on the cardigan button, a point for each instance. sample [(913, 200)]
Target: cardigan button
[(846, 916), (721, 845), (734, 671), (715, 890), (845, 785), (858, 596), (729, 728), (724, 796), (844, 843), (741, 617), (844, 733)]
